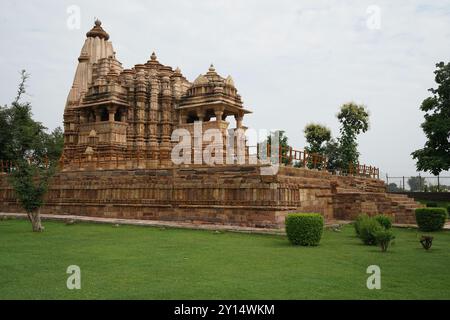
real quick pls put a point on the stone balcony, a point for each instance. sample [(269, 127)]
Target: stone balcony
[(103, 132)]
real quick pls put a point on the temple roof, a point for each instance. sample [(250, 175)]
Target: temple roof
[(97, 31), (210, 91), (213, 79)]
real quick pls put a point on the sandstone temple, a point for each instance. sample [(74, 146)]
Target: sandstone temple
[(118, 127)]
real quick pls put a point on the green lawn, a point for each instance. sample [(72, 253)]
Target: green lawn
[(131, 262)]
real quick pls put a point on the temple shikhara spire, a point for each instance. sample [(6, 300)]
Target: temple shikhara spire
[(130, 114)]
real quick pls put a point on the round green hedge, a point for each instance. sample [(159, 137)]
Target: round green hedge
[(358, 222), (431, 219), (368, 229), (385, 221), (304, 228)]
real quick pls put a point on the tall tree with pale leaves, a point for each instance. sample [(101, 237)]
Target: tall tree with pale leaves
[(434, 157), (354, 120)]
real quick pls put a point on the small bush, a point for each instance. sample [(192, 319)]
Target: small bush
[(431, 219), (383, 238), (426, 242), (448, 209), (304, 228), (432, 205), (358, 221), (385, 221), (367, 230)]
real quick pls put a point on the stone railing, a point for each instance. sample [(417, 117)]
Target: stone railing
[(142, 160), (304, 159)]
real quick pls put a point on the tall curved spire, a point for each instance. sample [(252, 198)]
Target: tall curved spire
[(96, 47)]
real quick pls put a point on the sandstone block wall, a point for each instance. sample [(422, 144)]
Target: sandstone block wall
[(237, 195)]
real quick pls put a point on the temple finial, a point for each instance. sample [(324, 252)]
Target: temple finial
[(97, 31)]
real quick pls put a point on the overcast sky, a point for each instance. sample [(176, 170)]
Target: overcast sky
[(293, 62)]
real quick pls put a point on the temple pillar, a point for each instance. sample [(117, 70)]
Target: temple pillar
[(200, 115), (98, 115), (238, 121), (123, 117), (182, 118), (140, 109), (111, 112), (166, 102), (153, 119), (219, 113), (83, 118)]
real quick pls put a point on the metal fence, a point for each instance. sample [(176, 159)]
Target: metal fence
[(417, 183)]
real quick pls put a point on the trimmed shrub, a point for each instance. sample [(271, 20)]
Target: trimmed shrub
[(431, 219), (304, 228), (431, 205), (385, 221), (358, 221), (426, 242), (367, 230), (383, 238)]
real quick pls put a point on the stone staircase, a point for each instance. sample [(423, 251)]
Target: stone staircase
[(403, 208), (348, 204)]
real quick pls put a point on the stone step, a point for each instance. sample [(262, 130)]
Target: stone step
[(406, 204)]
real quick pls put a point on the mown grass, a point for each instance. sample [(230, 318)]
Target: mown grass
[(132, 262)]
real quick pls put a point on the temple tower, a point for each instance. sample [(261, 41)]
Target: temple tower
[(124, 119)]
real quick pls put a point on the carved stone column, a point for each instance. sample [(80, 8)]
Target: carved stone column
[(219, 113), (140, 95), (200, 115), (111, 113), (166, 103), (98, 115), (238, 119)]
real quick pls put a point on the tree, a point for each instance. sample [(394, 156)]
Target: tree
[(392, 187), (354, 120), (316, 137), (30, 183), (283, 144), (5, 133), (416, 183), (434, 157), (34, 152), (332, 152)]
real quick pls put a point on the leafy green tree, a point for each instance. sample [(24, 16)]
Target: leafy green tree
[(392, 187), (283, 143), (434, 157), (316, 137), (5, 134), (354, 120), (51, 145), (34, 152), (30, 182), (416, 183), (332, 152)]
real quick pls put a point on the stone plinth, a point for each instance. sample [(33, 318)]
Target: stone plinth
[(235, 195)]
